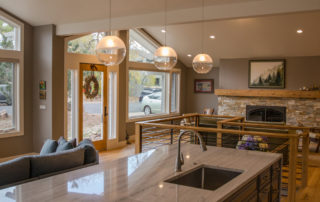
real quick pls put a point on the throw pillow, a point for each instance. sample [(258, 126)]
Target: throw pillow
[(64, 145), (73, 141), (50, 146)]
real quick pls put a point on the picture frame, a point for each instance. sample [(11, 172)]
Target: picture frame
[(203, 85), (268, 74), (42, 85), (43, 95)]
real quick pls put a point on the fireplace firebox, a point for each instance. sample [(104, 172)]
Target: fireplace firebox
[(266, 113)]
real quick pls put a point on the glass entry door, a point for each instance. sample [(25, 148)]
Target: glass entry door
[(93, 104)]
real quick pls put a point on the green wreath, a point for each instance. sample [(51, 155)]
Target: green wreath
[(88, 91)]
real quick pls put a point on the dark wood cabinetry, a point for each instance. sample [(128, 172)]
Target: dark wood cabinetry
[(264, 188)]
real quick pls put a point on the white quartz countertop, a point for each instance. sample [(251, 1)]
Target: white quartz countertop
[(141, 177)]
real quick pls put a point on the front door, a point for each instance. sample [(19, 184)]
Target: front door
[(93, 104)]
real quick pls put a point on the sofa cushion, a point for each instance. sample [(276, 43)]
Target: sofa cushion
[(64, 145), (44, 164), (15, 170), (90, 155), (50, 146)]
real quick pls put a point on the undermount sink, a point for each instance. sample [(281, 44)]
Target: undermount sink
[(205, 177)]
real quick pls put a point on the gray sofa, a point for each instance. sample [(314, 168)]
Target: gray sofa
[(33, 167)]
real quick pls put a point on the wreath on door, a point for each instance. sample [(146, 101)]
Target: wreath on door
[(91, 85)]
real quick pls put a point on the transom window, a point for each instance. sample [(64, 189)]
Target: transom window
[(86, 44), (9, 35), (140, 49)]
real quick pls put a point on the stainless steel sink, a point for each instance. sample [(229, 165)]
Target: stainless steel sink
[(205, 177)]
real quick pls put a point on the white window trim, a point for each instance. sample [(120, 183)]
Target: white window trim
[(151, 67), (16, 56)]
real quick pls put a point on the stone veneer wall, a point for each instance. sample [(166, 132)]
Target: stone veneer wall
[(305, 111)]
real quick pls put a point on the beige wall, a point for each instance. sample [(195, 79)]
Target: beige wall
[(196, 102), (300, 71), (23, 144), (48, 66), (58, 86)]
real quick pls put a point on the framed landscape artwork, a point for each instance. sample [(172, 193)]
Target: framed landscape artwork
[(203, 85), (266, 73)]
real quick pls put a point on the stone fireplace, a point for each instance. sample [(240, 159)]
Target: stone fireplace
[(297, 110), (266, 114)]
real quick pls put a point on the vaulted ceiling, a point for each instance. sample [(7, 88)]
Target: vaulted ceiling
[(255, 37), (242, 28), (84, 16)]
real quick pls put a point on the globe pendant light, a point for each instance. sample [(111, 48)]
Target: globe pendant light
[(202, 63), (165, 57), (110, 50)]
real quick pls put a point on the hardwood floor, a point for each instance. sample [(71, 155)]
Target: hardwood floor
[(310, 194), (117, 153)]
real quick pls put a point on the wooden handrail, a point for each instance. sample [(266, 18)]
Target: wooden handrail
[(249, 124), (214, 130)]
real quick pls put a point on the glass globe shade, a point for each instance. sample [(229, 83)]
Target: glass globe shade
[(165, 58), (202, 63), (111, 50)]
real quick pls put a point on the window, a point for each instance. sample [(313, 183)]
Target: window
[(11, 58), (9, 35), (175, 81), (86, 44), (8, 93), (140, 49), (149, 93), (112, 106), (71, 104)]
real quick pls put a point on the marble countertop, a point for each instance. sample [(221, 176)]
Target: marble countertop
[(141, 177)]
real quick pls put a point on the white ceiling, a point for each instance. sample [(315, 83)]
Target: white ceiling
[(239, 32), (83, 16), (260, 37), (43, 12)]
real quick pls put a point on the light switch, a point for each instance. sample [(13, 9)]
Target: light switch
[(43, 107)]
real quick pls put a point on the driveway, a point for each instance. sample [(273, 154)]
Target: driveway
[(95, 107), (8, 109)]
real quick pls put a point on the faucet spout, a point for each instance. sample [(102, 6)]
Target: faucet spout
[(180, 160)]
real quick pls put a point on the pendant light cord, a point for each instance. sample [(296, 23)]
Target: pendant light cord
[(165, 22), (110, 17), (202, 28)]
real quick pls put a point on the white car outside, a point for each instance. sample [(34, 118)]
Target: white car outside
[(151, 104)]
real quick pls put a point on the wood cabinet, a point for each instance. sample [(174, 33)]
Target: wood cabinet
[(264, 188)]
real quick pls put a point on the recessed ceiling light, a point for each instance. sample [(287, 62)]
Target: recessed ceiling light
[(163, 31), (189, 55), (299, 31), (212, 37)]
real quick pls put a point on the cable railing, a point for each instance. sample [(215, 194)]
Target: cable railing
[(234, 132)]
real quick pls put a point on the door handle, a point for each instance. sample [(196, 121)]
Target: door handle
[(105, 111)]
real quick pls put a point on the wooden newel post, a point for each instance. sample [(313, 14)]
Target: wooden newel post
[(292, 168), (138, 138)]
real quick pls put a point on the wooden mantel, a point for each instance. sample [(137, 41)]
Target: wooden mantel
[(268, 93)]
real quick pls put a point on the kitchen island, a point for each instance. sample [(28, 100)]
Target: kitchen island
[(143, 177)]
